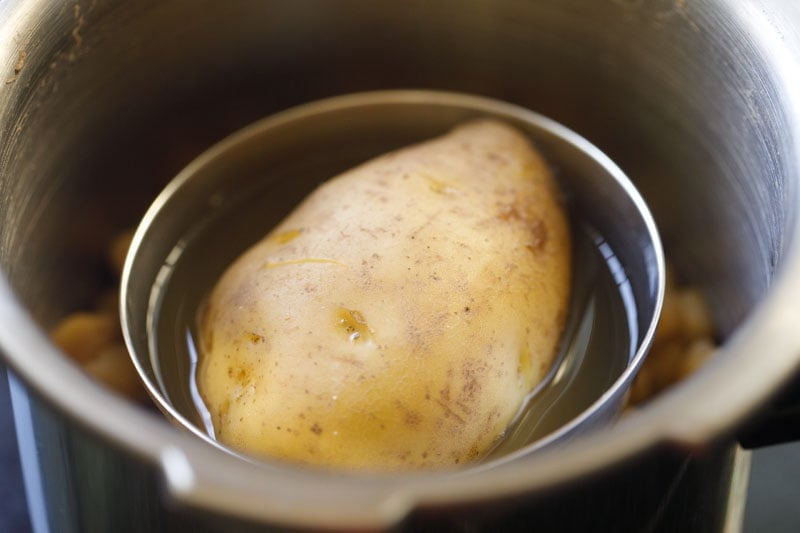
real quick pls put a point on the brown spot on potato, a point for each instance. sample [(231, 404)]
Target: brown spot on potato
[(348, 360), (498, 159), (448, 412), (412, 418), (240, 376), (539, 236), (353, 324), (464, 407), (316, 429), (510, 212), (472, 382)]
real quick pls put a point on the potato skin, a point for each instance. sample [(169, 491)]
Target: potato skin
[(398, 317)]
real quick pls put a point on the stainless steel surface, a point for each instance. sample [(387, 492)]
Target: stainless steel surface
[(103, 101), (345, 131)]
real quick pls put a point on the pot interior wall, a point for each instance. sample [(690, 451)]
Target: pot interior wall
[(115, 97)]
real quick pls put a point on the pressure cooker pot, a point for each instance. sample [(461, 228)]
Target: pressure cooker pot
[(103, 102)]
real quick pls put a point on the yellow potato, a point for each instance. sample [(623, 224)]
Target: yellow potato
[(400, 315)]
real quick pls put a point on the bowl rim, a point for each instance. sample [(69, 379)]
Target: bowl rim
[(178, 192)]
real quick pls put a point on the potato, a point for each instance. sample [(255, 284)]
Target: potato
[(397, 318)]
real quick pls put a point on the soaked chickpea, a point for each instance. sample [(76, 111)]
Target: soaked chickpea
[(683, 342), (93, 338), (84, 334)]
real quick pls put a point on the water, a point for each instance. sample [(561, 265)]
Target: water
[(600, 336)]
